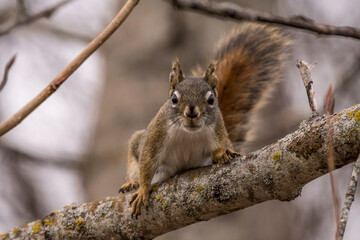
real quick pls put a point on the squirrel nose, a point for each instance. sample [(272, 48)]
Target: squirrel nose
[(191, 112)]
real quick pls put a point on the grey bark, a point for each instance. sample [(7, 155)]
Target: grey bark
[(349, 199), (304, 69), (278, 171)]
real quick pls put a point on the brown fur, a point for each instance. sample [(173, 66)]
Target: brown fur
[(188, 131), (250, 61), (183, 134)]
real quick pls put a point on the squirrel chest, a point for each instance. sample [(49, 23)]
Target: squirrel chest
[(184, 150)]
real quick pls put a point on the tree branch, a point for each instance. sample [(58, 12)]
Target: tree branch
[(349, 198), (304, 69), (233, 11), (69, 69), (329, 105), (6, 72), (277, 171), (25, 19), (22, 10)]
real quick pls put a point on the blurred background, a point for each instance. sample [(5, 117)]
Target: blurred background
[(74, 146)]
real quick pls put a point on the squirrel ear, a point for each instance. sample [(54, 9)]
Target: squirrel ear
[(210, 76), (176, 75)]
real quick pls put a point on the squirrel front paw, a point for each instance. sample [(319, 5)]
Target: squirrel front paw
[(225, 157), (127, 187), (231, 153), (141, 197)]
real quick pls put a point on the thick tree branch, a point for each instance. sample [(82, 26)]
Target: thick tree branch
[(277, 171), (69, 69), (233, 11)]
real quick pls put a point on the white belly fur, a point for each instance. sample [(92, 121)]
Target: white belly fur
[(184, 150)]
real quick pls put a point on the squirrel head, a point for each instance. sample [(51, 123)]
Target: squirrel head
[(193, 100)]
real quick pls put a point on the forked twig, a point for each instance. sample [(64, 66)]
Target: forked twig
[(69, 69)]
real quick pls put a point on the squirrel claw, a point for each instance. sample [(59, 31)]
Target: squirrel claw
[(222, 158), (137, 200), (127, 187), (133, 197), (226, 157), (232, 154)]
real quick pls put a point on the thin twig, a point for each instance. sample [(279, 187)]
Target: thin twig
[(69, 69), (6, 72), (329, 107), (304, 69), (25, 19), (329, 101), (349, 198), (233, 11), (22, 10)]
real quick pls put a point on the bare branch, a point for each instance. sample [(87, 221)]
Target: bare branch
[(22, 8), (329, 106), (277, 171), (25, 19), (69, 69), (349, 198), (6, 72), (233, 11), (329, 101), (304, 69)]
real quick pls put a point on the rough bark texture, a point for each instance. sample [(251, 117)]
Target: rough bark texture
[(277, 171), (349, 199)]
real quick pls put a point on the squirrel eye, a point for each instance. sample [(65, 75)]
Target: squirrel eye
[(174, 99), (211, 99)]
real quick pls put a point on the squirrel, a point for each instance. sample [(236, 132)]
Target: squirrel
[(204, 116)]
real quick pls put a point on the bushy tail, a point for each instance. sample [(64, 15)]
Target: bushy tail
[(250, 61)]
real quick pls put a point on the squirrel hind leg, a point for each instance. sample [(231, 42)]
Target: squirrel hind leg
[(135, 145), (132, 174)]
